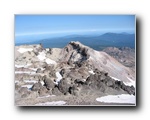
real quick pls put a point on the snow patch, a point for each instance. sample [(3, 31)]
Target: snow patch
[(20, 72), (115, 78), (34, 69), (28, 86), (42, 83), (30, 81), (41, 56), (126, 83), (25, 66), (51, 103), (49, 61), (123, 98), (59, 77), (91, 71), (131, 82), (22, 50)]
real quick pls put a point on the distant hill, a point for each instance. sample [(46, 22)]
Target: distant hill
[(95, 42)]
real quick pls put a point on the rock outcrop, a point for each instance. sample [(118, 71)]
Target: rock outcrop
[(78, 54), (75, 70)]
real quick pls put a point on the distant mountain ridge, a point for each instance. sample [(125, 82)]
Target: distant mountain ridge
[(95, 42)]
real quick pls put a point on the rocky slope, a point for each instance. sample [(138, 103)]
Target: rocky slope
[(124, 55), (75, 74), (77, 53)]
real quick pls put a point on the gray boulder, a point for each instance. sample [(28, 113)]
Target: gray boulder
[(74, 90), (63, 86), (36, 86), (42, 91), (55, 91), (49, 84), (62, 72), (39, 70)]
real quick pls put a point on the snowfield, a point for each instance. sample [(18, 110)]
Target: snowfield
[(41, 56), (123, 98), (22, 50), (51, 103), (49, 61)]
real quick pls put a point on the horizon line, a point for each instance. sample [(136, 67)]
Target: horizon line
[(78, 31)]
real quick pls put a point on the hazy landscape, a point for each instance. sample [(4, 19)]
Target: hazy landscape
[(97, 42), (75, 66)]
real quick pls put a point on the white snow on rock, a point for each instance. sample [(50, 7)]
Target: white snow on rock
[(123, 98), (49, 61), (30, 81), (22, 50), (28, 72), (41, 56), (51, 103), (59, 77), (126, 83), (20, 66), (28, 86), (91, 71), (131, 82), (34, 69), (115, 78), (42, 83)]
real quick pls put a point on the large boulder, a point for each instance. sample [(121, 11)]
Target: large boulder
[(43, 91), (62, 72), (63, 86), (36, 86), (49, 83), (55, 91), (39, 70), (74, 90)]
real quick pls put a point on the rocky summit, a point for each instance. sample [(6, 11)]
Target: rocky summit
[(73, 75)]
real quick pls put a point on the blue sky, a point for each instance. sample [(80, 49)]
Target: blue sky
[(72, 24)]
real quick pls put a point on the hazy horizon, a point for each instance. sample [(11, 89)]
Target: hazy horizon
[(34, 37), (37, 27)]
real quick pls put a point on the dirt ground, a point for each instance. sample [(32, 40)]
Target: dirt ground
[(71, 100)]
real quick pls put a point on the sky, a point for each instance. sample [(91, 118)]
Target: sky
[(57, 25)]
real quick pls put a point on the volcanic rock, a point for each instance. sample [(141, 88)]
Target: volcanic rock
[(36, 86)]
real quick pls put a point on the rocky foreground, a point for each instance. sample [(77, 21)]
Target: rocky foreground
[(74, 75)]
